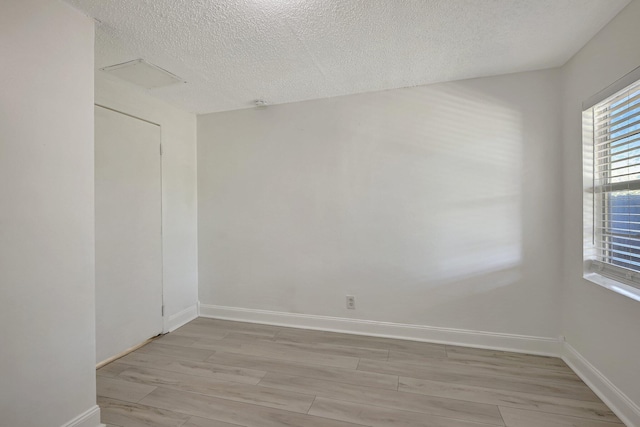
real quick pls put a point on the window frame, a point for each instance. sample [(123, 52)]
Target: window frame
[(619, 279)]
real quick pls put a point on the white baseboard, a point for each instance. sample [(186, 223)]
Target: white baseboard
[(89, 418), (490, 340), (625, 408), (173, 322)]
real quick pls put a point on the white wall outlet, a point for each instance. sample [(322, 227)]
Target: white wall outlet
[(351, 302)]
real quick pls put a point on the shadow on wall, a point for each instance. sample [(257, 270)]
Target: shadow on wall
[(445, 202), (409, 197), (448, 186)]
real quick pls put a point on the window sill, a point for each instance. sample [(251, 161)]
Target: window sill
[(614, 285)]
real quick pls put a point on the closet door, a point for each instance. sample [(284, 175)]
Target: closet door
[(128, 232)]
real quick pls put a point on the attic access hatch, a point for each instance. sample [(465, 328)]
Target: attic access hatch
[(141, 73)]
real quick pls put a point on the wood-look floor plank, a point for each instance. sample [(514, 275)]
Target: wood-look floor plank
[(282, 353), (259, 395), (457, 352), (319, 348), (189, 367), (249, 335), (215, 329), (381, 417), (552, 404), (291, 335), (233, 412), (305, 336), (127, 414), (204, 422), (415, 356), (522, 418), (417, 348), (122, 390), (349, 376), (174, 339), (461, 374), (466, 368), (198, 331), (391, 399), (175, 351), (111, 370), (503, 363), (232, 326)]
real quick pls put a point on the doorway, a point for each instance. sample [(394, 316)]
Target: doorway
[(128, 211)]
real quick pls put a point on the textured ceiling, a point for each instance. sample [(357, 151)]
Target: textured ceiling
[(232, 52)]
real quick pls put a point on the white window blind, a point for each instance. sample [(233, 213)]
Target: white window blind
[(616, 185)]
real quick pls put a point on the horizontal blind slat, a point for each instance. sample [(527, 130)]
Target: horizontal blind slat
[(616, 139), (606, 136), (616, 112)]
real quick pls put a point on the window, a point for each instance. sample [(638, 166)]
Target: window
[(611, 133)]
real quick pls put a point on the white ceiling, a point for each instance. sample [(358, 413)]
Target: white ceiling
[(232, 52)]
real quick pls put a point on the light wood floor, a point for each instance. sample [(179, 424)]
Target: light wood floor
[(214, 373)]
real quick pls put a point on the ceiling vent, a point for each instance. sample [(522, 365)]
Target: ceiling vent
[(141, 73)]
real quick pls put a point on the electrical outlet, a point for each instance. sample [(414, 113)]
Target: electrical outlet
[(351, 302)]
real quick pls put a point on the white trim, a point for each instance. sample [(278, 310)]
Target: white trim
[(173, 322), (480, 339), (625, 408), (614, 285), (89, 418)]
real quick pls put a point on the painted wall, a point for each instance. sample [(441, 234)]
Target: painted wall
[(47, 349), (179, 198), (435, 205), (600, 324)]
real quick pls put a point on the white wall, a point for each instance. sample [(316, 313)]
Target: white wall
[(435, 205), (179, 191), (602, 326), (47, 347)]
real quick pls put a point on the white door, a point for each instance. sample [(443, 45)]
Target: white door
[(128, 232)]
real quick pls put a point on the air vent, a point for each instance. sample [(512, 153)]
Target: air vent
[(141, 73)]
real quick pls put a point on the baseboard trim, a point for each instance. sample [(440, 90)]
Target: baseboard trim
[(124, 353), (625, 408), (180, 318), (89, 418), (469, 338)]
